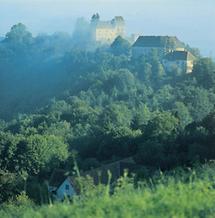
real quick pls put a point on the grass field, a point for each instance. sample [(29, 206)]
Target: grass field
[(177, 195)]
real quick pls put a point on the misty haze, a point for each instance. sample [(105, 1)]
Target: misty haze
[(107, 108), (190, 20)]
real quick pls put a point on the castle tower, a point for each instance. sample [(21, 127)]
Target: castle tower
[(95, 19), (93, 25), (120, 25), (105, 32)]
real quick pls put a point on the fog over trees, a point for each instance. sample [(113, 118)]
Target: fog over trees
[(59, 98)]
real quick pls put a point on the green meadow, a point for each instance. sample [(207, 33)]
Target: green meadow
[(179, 194)]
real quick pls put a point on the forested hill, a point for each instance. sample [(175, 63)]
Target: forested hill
[(34, 70), (107, 106)]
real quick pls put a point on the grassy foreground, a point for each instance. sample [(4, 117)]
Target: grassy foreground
[(182, 194)]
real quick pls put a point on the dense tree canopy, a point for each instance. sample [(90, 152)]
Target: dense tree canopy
[(106, 105)]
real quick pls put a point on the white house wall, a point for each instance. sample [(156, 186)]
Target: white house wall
[(62, 192)]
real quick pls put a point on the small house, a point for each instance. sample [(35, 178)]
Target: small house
[(61, 186)]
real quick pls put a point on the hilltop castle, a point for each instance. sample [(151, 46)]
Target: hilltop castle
[(105, 32), (169, 48)]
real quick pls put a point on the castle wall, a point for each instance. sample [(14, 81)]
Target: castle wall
[(105, 35), (190, 65), (185, 66), (146, 51), (107, 31)]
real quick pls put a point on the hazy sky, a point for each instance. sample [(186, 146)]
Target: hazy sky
[(193, 21)]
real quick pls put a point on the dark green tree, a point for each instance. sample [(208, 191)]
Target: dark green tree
[(120, 46)]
